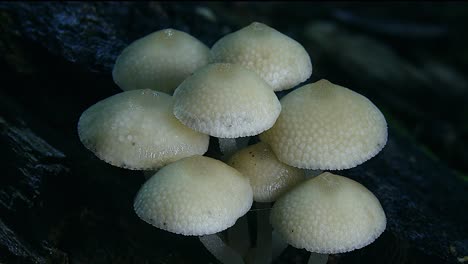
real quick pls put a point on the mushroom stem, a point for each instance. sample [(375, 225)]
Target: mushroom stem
[(238, 236), (229, 146), (263, 254), (317, 258), (242, 142), (220, 250)]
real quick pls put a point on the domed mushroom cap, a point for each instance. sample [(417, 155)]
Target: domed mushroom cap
[(277, 58), (328, 127), (194, 196), (268, 176), (328, 214), (227, 101), (137, 130), (159, 61)]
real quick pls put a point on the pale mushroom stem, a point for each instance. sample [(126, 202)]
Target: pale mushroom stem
[(263, 253), (242, 142), (229, 146), (220, 250), (317, 258)]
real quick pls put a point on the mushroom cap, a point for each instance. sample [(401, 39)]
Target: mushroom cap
[(227, 101), (137, 130), (327, 127), (328, 214), (194, 196), (268, 176), (277, 58), (159, 61)]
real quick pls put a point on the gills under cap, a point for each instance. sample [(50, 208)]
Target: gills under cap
[(327, 127), (194, 196), (281, 61), (159, 61), (227, 101), (137, 130), (328, 214)]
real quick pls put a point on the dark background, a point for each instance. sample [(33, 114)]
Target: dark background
[(60, 204)]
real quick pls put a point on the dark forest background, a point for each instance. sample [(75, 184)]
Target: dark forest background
[(60, 204)]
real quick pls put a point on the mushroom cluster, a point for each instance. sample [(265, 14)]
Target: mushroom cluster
[(178, 93)]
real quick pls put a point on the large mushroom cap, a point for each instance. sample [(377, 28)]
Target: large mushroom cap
[(277, 58), (137, 130), (227, 101), (328, 214), (159, 61), (328, 127), (194, 196), (268, 176)]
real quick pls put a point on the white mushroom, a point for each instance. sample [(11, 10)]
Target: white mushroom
[(137, 130), (194, 196), (277, 58), (159, 61), (328, 214), (268, 176), (326, 126), (226, 100)]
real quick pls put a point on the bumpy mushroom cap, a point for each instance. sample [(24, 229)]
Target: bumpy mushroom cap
[(227, 101), (277, 58), (137, 130), (159, 61), (328, 214), (328, 127), (268, 176), (194, 196)]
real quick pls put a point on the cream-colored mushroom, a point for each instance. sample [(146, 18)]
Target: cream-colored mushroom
[(269, 179), (326, 126), (268, 176), (227, 101), (194, 196), (159, 61), (277, 58), (137, 130), (328, 214)]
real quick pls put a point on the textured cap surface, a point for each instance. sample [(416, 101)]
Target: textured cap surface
[(328, 127), (328, 214), (159, 61), (277, 58), (268, 176), (226, 100), (194, 196), (137, 130)]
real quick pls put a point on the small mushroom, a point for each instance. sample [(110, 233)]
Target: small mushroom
[(269, 179), (227, 101), (137, 130), (277, 58), (328, 214), (268, 176), (194, 196), (324, 126), (159, 61)]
